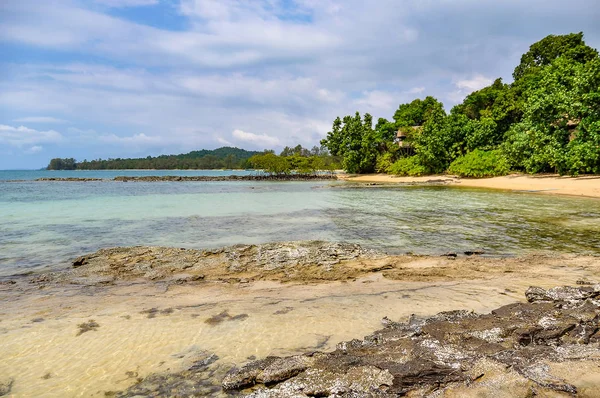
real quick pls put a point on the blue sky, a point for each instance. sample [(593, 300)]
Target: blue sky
[(128, 78)]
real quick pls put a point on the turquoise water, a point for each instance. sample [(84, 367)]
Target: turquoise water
[(8, 175), (45, 224)]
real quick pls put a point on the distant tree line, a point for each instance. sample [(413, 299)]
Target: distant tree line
[(221, 158), (291, 160), (546, 120)]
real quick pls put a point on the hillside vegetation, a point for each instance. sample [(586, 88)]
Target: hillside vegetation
[(221, 158)]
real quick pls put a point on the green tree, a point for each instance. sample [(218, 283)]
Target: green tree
[(544, 52)]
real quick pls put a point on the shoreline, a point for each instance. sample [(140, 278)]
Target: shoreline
[(583, 186), (165, 310)]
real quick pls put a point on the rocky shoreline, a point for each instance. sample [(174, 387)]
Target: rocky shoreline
[(514, 346), (257, 177), (541, 347), (546, 345)]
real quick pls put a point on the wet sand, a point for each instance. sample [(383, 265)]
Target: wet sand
[(588, 186), (151, 326)]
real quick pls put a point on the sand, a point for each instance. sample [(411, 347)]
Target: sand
[(147, 327), (588, 186)]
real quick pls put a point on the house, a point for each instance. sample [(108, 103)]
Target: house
[(404, 137)]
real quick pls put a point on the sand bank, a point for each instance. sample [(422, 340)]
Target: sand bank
[(122, 315), (547, 184)]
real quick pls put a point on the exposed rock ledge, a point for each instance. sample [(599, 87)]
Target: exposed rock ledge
[(301, 262), (257, 177), (541, 347)]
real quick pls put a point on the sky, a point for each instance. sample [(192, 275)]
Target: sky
[(130, 78)]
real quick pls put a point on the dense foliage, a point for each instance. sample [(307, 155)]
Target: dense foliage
[(301, 161), (546, 120), (479, 164), (221, 158)]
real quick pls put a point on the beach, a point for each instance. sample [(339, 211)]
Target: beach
[(587, 186), (121, 317), (204, 288)]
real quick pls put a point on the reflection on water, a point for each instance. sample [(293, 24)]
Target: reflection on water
[(45, 224)]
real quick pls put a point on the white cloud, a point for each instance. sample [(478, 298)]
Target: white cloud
[(256, 139), (39, 119), (416, 90), (476, 82), (34, 149), (23, 136)]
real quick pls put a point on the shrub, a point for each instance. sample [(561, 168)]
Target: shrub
[(408, 167), (384, 162), (480, 164)]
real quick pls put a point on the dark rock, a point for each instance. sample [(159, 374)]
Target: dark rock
[(562, 293), (6, 386), (254, 177), (79, 261), (247, 375), (197, 380), (476, 252), (436, 353)]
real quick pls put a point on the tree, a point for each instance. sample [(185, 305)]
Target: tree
[(354, 140), (545, 51)]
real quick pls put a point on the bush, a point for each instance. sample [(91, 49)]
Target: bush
[(480, 164), (384, 162), (408, 167)]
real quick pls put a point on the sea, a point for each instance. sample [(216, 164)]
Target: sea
[(45, 224)]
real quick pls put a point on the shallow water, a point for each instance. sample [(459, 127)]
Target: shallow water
[(45, 356), (45, 224)]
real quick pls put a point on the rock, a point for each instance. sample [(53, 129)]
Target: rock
[(562, 293), (243, 264), (440, 352), (284, 368), (247, 375), (6, 385), (196, 380), (477, 252), (254, 177), (79, 261)]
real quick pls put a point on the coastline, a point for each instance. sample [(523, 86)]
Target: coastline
[(586, 186), (172, 309)]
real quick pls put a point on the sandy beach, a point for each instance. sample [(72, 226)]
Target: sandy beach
[(588, 186)]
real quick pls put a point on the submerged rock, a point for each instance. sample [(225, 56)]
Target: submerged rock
[(197, 380), (516, 345), (6, 386)]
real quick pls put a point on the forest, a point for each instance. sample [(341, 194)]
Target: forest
[(221, 158), (291, 160), (546, 120)]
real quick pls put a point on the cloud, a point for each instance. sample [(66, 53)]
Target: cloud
[(23, 136), (126, 3), (256, 139), (39, 119), (34, 149), (475, 83), (283, 68), (465, 86)]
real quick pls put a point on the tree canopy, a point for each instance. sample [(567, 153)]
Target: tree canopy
[(546, 120)]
